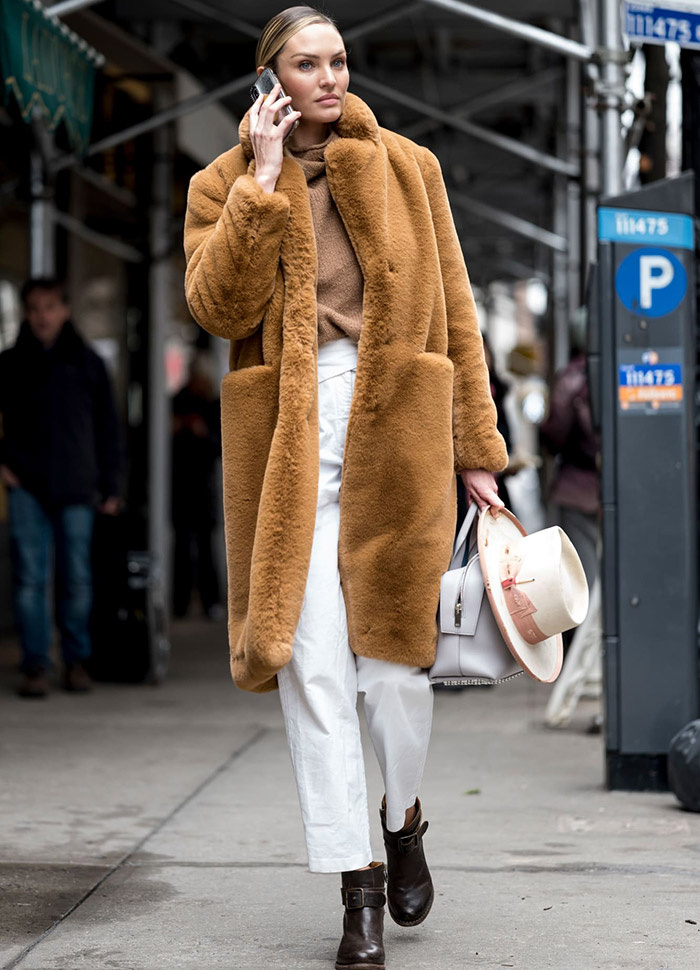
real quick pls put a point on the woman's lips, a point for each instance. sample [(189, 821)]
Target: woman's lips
[(328, 99)]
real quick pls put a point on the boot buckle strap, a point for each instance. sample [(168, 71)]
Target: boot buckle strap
[(408, 842), (359, 898)]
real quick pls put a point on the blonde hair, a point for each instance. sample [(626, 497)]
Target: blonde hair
[(282, 27)]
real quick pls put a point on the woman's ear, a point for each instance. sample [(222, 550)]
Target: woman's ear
[(260, 70)]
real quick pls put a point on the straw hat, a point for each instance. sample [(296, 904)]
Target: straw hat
[(536, 587)]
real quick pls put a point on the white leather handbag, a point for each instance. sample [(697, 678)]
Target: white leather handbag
[(470, 646)]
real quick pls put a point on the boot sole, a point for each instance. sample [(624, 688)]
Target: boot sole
[(423, 916), (360, 966)]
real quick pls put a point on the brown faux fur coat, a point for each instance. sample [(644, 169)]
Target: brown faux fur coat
[(421, 407)]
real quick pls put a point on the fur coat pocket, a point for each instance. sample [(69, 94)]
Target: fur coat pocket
[(398, 522)]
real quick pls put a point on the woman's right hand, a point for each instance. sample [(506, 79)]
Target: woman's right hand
[(267, 138)]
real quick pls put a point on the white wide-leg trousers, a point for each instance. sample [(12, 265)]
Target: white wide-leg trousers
[(320, 684)]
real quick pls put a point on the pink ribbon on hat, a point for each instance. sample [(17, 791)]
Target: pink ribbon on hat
[(517, 603)]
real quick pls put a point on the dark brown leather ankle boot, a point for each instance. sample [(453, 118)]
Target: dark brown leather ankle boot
[(362, 945), (409, 886)]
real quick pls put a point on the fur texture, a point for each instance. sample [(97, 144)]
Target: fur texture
[(422, 405)]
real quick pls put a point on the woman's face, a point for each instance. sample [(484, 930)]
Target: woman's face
[(312, 68)]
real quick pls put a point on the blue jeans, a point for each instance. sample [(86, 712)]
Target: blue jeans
[(33, 531)]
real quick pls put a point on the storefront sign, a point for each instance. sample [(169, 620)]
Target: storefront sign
[(48, 68)]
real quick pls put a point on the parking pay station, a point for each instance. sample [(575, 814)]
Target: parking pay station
[(643, 375)]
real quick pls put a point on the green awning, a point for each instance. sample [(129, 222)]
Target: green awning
[(47, 67)]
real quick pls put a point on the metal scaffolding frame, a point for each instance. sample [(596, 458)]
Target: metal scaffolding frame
[(610, 55), (611, 88), (528, 152)]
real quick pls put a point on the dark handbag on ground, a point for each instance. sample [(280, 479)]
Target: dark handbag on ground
[(470, 647)]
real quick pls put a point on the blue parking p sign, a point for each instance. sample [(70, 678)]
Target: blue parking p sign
[(651, 282)]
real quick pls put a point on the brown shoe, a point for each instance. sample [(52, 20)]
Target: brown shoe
[(76, 678), (362, 945), (35, 684), (409, 886)]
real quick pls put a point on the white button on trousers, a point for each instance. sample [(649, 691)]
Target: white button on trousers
[(320, 684)]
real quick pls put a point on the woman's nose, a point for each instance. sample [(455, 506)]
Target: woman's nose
[(328, 77)]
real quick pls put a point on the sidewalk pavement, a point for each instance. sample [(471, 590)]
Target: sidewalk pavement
[(149, 828)]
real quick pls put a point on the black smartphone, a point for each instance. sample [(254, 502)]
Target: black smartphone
[(266, 81)]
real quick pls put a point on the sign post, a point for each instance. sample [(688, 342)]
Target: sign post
[(646, 338)]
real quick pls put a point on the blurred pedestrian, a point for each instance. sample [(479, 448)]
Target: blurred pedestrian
[(196, 425), (567, 432), (358, 386), (60, 459)]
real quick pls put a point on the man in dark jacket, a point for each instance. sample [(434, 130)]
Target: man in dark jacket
[(568, 433), (60, 459)]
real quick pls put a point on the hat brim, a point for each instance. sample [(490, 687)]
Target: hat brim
[(541, 661)]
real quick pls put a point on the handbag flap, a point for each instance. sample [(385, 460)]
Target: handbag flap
[(461, 596)]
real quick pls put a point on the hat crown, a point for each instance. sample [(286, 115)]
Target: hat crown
[(547, 570)]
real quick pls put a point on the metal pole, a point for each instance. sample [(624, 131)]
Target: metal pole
[(69, 6), (160, 315), (590, 161), (574, 189), (611, 93), (559, 347), (42, 243), (469, 128), (524, 228), (535, 35)]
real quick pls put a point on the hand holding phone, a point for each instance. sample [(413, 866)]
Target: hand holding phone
[(264, 84), (272, 120)]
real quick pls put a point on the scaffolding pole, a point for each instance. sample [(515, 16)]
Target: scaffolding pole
[(69, 6), (42, 235), (526, 32), (159, 317), (522, 227), (611, 96)]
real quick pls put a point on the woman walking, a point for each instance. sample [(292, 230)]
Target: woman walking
[(328, 257)]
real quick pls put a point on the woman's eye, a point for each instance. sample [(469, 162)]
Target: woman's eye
[(304, 65), (340, 62)]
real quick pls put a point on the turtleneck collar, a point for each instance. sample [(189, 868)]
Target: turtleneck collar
[(312, 157)]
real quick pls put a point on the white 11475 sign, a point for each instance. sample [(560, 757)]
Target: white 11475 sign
[(663, 21)]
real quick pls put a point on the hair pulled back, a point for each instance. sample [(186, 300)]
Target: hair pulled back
[(284, 25)]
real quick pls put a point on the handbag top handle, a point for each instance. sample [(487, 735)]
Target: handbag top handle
[(461, 540)]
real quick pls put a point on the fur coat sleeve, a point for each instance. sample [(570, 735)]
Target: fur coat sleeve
[(233, 234), (477, 444)]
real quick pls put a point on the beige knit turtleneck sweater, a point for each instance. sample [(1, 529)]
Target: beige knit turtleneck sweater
[(340, 283)]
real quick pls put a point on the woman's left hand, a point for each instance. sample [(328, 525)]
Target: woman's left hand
[(481, 488)]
